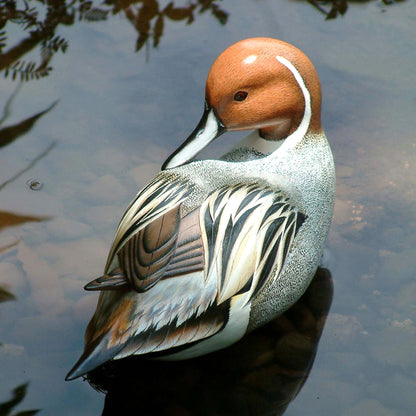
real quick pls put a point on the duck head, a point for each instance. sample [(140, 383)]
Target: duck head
[(258, 83)]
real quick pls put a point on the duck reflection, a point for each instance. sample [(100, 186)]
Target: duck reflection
[(259, 375)]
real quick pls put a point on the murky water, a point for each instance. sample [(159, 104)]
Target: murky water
[(78, 143)]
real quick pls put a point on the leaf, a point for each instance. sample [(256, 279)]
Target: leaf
[(149, 10), (19, 393), (343, 7), (3, 39), (5, 296), (18, 68), (142, 22), (180, 13), (10, 133), (56, 43), (205, 5), (158, 30), (221, 16), (332, 14), (141, 41), (10, 219)]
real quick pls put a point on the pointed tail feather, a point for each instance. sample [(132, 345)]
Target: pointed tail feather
[(93, 358), (108, 282)]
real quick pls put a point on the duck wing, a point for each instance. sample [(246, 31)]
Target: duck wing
[(154, 239), (248, 230), (245, 232)]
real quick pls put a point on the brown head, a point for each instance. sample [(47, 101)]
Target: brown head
[(255, 84)]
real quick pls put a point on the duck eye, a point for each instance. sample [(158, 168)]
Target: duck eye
[(240, 96)]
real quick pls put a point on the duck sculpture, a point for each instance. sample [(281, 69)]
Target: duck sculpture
[(212, 249)]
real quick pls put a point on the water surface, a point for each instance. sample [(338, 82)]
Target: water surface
[(108, 108)]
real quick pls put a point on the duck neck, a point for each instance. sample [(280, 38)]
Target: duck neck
[(274, 148), (259, 144), (294, 139)]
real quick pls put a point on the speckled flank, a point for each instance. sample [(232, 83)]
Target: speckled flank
[(312, 171)]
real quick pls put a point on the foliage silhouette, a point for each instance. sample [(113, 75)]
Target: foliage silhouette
[(39, 33), (10, 133), (19, 393), (5, 296), (149, 19), (29, 166), (10, 219), (40, 22), (335, 8), (145, 15)]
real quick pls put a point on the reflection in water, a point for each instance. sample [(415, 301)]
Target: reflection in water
[(19, 394), (29, 166), (9, 219), (259, 375), (149, 18), (40, 22), (335, 8), (39, 32), (5, 295), (9, 134)]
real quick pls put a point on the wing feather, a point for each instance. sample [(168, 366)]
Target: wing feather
[(248, 231), (191, 265), (164, 193), (154, 240)]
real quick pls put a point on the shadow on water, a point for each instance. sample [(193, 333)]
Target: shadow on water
[(40, 21), (11, 133), (259, 375), (8, 135), (332, 9), (19, 393), (5, 295)]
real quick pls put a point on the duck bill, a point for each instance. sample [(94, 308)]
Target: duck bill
[(207, 130)]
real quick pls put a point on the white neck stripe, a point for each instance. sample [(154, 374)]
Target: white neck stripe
[(299, 133)]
